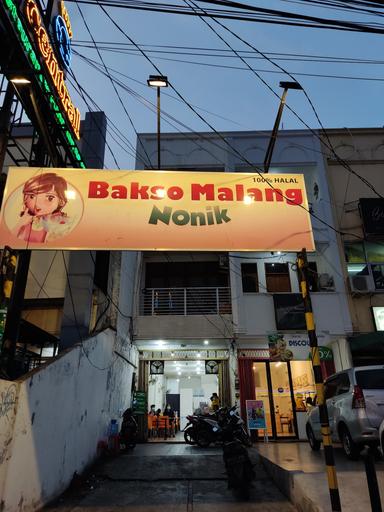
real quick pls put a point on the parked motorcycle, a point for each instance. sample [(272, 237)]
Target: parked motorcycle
[(239, 468), (214, 428), (128, 432)]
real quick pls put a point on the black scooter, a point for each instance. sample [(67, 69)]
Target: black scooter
[(239, 468)]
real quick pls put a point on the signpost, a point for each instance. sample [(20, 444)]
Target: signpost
[(256, 416), (140, 402)]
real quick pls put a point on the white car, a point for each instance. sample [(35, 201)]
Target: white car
[(355, 402)]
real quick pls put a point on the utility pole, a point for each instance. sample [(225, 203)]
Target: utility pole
[(302, 266)]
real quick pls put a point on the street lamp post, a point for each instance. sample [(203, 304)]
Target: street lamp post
[(158, 81), (272, 140)]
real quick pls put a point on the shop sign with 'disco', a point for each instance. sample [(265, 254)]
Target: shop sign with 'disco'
[(154, 210)]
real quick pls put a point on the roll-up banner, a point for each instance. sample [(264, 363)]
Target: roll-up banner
[(154, 210)]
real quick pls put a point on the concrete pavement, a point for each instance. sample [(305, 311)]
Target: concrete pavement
[(300, 474), (171, 478)]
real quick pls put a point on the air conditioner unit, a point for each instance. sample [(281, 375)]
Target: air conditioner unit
[(361, 284)]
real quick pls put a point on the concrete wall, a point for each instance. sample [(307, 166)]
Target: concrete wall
[(62, 411), (363, 150)]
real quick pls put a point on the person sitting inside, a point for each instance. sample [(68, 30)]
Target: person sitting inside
[(215, 402), (168, 411)]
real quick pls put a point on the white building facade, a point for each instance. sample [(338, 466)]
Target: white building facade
[(247, 302)]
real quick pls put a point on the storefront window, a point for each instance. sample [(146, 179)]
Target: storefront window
[(282, 399), (303, 383), (378, 276), (262, 393), (366, 259), (375, 252), (354, 253)]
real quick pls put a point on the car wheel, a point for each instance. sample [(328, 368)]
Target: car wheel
[(313, 442), (351, 449)]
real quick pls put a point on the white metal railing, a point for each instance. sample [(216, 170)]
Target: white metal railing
[(186, 301)]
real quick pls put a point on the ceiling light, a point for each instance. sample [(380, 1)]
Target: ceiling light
[(199, 354), (160, 343), (177, 380), (173, 355), (178, 373), (206, 342), (189, 377)]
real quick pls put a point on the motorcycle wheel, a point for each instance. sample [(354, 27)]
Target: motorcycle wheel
[(188, 436), (203, 439)]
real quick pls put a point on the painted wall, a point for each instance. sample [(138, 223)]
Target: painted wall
[(156, 391), (363, 149), (63, 410)]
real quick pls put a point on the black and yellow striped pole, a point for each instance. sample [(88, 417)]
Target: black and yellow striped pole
[(302, 266)]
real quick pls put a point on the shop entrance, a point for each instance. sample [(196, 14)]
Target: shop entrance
[(284, 388), (186, 384)]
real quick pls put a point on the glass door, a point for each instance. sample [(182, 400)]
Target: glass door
[(281, 391), (262, 393)]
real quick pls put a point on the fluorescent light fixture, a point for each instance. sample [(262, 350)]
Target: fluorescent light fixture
[(161, 343), (157, 81), (20, 80)]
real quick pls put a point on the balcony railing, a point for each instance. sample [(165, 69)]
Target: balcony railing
[(186, 301)]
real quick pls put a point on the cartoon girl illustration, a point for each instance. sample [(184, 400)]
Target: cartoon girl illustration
[(42, 218)]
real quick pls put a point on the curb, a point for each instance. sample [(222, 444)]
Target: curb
[(291, 485)]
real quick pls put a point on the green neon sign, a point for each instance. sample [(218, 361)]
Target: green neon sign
[(30, 52)]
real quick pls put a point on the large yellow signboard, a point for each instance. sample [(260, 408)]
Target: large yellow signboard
[(154, 210)]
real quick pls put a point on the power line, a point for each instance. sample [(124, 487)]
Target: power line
[(257, 169), (113, 85), (224, 53), (268, 71), (328, 144), (252, 14)]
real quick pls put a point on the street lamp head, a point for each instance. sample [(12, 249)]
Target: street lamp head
[(157, 81), (19, 80), (291, 85)]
